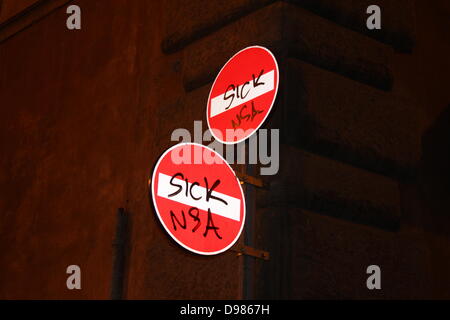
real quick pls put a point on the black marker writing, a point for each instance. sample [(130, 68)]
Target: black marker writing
[(195, 217), (256, 81), (209, 191), (174, 218), (242, 116), (210, 226), (181, 183), (240, 92), (176, 185)]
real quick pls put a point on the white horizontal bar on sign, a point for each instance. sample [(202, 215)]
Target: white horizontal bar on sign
[(231, 211), (220, 105)]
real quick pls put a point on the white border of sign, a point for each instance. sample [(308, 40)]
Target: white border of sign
[(270, 109), (159, 216)]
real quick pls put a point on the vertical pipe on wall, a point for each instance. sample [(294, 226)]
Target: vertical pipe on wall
[(120, 244)]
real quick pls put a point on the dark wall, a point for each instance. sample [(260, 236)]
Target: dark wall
[(10, 8), (85, 115), (81, 130)]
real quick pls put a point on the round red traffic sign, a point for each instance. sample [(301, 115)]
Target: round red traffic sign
[(242, 95), (198, 198)]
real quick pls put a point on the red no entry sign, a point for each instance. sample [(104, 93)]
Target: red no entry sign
[(198, 198), (242, 95)]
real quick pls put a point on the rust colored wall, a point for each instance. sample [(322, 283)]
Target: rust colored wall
[(9, 8), (85, 115), (79, 139)]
